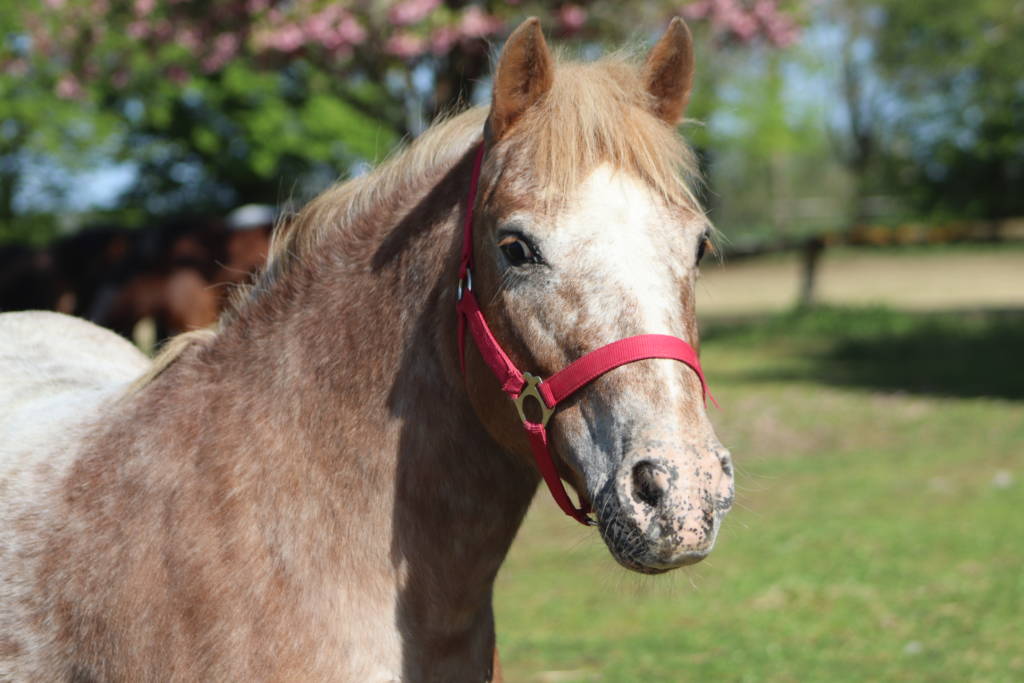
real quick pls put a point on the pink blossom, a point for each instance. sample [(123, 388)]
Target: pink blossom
[(334, 28), (138, 30), (163, 29), (442, 40), (55, 4), (412, 11), (572, 17), (697, 10), (41, 41), (68, 87), (189, 38), (405, 45), (212, 63), (16, 67), (745, 20), (778, 28), (144, 7), (226, 43), (225, 46), (319, 28), (351, 31), (765, 9), (786, 36), (742, 25), (177, 74), (120, 78), (288, 38), (256, 6), (325, 17), (476, 23)]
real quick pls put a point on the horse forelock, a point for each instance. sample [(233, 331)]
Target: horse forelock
[(600, 113)]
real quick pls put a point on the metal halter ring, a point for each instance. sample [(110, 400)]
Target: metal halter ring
[(530, 391), (469, 285)]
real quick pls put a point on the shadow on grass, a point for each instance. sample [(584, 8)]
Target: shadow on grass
[(967, 354)]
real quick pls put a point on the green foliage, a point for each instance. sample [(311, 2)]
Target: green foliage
[(767, 153), (33, 229), (936, 91), (222, 102), (955, 68), (322, 116)]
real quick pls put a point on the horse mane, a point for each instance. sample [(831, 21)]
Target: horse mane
[(594, 113), (174, 347), (343, 204)]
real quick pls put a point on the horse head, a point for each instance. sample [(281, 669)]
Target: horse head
[(587, 233)]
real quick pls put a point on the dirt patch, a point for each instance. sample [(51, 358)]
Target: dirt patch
[(920, 280)]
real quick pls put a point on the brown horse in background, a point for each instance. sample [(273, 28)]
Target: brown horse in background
[(178, 274), (315, 491), (65, 276)]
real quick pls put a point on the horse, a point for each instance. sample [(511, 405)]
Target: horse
[(324, 487), (179, 275), (65, 276), (168, 276)]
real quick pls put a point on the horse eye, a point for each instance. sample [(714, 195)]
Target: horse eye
[(705, 245), (516, 251)]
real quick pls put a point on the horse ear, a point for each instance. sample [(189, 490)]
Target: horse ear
[(525, 72), (668, 73)]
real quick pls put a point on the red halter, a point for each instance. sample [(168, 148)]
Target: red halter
[(549, 393)]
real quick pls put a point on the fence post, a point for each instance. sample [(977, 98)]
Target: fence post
[(810, 257)]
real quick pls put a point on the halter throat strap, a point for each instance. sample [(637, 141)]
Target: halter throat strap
[(547, 394)]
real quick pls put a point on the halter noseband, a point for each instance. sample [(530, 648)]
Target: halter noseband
[(549, 393)]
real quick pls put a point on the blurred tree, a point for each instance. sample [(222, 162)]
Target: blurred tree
[(219, 102), (956, 130), (856, 136), (958, 66), (38, 124)]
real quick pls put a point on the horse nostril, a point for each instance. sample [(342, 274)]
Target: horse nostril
[(726, 461), (650, 483)]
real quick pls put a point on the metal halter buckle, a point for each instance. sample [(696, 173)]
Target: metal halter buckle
[(469, 285), (530, 391)]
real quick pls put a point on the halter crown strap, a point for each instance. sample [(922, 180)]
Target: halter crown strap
[(520, 386), (467, 227)]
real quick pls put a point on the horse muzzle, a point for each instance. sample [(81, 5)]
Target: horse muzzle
[(662, 509)]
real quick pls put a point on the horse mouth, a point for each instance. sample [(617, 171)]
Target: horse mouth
[(639, 551), (638, 560), (635, 566)]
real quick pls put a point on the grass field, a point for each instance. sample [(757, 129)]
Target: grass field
[(878, 533)]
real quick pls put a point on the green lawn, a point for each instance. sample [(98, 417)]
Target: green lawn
[(878, 532)]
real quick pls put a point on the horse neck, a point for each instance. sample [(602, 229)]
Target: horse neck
[(343, 381)]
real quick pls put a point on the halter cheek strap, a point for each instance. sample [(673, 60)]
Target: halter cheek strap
[(547, 394)]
